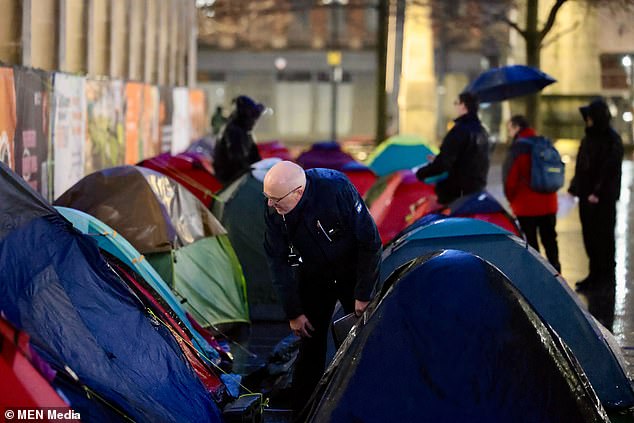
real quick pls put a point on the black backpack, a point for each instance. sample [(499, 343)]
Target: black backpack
[(547, 169)]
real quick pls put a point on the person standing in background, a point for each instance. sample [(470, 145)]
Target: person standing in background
[(597, 183), (235, 151), (535, 211), (217, 121), (464, 154)]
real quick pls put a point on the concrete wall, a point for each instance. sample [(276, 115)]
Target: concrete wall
[(417, 97), (143, 40), (72, 45), (10, 24)]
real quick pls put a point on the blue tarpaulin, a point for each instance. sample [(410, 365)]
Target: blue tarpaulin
[(58, 288)]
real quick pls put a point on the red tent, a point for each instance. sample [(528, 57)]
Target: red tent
[(192, 170), (481, 206), (360, 175), (21, 384), (395, 199), (270, 149)]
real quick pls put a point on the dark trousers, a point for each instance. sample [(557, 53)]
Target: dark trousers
[(548, 235), (597, 225), (318, 302)]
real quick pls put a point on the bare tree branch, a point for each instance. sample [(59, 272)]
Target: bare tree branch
[(552, 16), (560, 34)]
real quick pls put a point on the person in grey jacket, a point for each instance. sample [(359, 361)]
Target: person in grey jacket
[(322, 246), (464, 154)]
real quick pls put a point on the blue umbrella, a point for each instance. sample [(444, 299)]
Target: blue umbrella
[(506, 82)]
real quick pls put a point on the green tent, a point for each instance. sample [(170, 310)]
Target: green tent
[(182, 240), (240, 207)]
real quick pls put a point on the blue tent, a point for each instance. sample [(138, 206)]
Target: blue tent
[(79, 314), (539, 283), (399, 152), (453, 341), (114, 243)]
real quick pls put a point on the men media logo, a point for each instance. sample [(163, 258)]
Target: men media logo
[(57, 414)]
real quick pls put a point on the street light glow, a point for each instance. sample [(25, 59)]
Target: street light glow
[(627, 116), (626, 61)]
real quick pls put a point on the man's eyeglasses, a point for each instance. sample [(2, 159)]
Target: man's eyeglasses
[(276, 200)]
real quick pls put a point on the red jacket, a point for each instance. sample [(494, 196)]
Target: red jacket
[(524, 201)]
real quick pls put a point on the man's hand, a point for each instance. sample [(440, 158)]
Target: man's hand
[(359, 307), (593, 199), (300, 326)]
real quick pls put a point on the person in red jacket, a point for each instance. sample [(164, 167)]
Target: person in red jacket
[(535, 211)]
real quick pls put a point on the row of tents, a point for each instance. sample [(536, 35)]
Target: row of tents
[(112, 344), (133, 273)]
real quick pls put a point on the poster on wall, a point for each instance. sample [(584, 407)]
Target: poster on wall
[(69, 131), (181, 121), (104, 119), (7, 117), (165, 119), (32, 140), (133, 114), (198, 114), (150, 122)]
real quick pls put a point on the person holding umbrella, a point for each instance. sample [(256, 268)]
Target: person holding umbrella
[(464, 154)]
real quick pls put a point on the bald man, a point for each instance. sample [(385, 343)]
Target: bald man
[(322, 246)]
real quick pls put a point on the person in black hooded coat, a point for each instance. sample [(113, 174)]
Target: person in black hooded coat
[(235, 151), (597, 183)]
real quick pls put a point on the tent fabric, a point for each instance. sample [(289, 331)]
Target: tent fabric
[(218, 293), (22, 383), (192, 170), (268, 149), (538, 282), (151, 300), (112, 195), (113, 243), (150, 210), (480, 205), (399, 152), (241, 202), (454, 342), (361, 176), (326, 154), (57, 288), (394, 198)]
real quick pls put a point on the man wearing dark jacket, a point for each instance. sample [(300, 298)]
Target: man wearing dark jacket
[(464, 154), (322, 246), (235, 151), (597, 183)]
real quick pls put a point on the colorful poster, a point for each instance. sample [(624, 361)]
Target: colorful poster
[(69, 131), (104, 125), (32, 140), (198, 114), (181, 122), (133, 114), (7, 117), (150, 122), (165, 119)]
